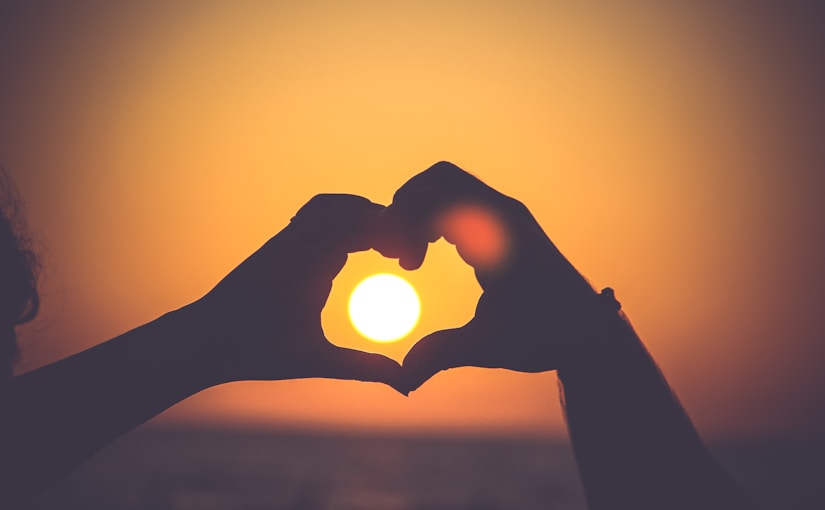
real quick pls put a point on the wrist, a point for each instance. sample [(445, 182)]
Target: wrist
[(600, 332), (193, 344)]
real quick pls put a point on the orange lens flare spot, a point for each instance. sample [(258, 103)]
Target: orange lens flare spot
[(478, 234)]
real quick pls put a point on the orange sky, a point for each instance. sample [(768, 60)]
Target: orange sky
[(673, 153)]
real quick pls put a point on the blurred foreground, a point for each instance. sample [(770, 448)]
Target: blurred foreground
[(180, 469)]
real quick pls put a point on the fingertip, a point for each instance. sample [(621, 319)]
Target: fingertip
[(413, 381), (402, 390), (351, 364), (412, 261), (414, 385), (400, 239)]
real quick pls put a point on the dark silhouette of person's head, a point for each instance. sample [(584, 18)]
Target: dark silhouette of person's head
[(19, 300)]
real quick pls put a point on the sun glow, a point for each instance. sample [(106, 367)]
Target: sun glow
[(384, 307)]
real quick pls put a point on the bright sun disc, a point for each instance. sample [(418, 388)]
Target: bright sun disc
[(384, 307)]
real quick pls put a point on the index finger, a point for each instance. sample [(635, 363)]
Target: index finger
[(344, 222), (444, 200), (318, 238)]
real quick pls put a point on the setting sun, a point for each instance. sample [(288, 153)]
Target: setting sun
[(384, 307)]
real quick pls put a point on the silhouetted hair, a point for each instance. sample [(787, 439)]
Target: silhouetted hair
[(19, 268)]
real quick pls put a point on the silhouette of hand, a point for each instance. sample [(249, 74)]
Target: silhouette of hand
[(534, 306), (265, 316)]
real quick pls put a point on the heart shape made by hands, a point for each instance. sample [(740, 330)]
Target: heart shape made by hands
[(533, 302), (264, 318)]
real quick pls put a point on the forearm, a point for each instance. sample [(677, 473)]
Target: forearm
[(58, 416), (635, 445)]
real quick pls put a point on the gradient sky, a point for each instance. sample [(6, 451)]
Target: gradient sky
[(674, 152)]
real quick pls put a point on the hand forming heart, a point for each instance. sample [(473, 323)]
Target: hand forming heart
[(532, 312), (265, 315)]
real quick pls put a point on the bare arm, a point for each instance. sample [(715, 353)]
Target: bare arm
[(635, 445), (58, 416)]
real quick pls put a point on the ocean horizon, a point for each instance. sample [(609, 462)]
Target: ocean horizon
[(163, 468)]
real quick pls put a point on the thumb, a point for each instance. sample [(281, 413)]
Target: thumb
[(442, 350), (351, 364)]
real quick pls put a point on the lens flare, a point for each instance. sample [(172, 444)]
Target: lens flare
[(478, 234)]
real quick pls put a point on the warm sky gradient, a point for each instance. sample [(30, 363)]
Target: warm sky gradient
[(673, 153)]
